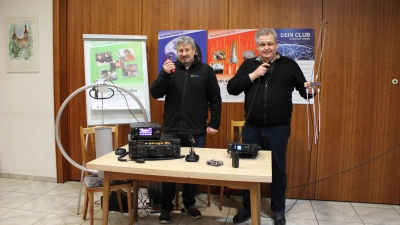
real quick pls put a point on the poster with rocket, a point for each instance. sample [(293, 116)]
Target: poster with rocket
[(227, 49)]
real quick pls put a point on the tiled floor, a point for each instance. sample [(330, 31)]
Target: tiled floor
[(33, 202)]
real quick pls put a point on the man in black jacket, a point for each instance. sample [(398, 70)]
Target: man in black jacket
[(268, 81), (191, 89)]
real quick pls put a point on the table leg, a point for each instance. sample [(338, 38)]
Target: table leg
[(135, 199), (255, 203), (106, 197)]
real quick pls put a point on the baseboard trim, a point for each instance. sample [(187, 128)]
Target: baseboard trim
[(28, 177)]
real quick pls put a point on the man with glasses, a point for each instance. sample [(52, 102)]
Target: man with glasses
[(268, 81)]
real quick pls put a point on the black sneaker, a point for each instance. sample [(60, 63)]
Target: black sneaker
[(165, 216), (279, 219), (194, 212), (242, 216)]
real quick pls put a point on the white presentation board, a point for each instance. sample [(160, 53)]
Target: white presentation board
[(121, 60)]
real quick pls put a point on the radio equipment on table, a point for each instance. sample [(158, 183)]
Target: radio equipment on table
[(147, 142), (166, 146), (245, 150), (145, 131)]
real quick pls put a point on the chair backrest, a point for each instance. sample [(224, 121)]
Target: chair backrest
[(89, 149), (238, 125)]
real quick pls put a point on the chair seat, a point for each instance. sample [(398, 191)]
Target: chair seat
[(93, 181)]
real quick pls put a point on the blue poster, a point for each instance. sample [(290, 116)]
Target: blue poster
[(167, 44), (297, 44)]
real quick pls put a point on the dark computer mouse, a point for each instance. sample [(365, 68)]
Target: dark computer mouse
[(140, 160)]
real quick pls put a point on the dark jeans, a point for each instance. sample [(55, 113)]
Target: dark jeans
[(189, 190), (274, 138)]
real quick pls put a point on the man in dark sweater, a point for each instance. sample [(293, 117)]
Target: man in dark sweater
[(191, 89), (268, 81)]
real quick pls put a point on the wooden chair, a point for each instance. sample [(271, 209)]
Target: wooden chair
[(239, 125), (234, 125), (89, 154)]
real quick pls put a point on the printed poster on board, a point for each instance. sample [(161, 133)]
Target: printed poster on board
[(121, 60), (225, 50)]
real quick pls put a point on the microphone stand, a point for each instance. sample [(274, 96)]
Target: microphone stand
[(191, 151), (192, 157)]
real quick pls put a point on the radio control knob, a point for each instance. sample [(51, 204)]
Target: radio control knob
[(152, 151), (169, 150), (136, 133), (157, 134)]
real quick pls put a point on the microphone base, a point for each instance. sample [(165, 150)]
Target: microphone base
[(192, 158)]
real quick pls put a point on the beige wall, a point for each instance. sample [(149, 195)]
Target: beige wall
[(27, 148)]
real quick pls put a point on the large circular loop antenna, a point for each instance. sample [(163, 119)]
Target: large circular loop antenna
[(65, 104)]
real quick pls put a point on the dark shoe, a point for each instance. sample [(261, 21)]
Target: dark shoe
[(242, 216), (194, 212), (279, 219), (165, 216)]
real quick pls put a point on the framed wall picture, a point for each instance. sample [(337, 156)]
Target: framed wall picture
[(22, 42)]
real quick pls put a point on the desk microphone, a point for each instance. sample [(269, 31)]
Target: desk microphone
[(192, 157), (191, 139)]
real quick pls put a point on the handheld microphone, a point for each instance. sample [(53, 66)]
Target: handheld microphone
[(170, 58), (269, 62)]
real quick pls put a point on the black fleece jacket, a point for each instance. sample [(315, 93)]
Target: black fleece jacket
[(270, 96), (188, 95)]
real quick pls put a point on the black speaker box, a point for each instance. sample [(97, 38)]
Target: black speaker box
[(113, 202)]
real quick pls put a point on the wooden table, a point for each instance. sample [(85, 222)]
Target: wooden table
[(248, 176)]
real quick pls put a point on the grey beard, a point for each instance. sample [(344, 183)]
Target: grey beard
[(187, 64)]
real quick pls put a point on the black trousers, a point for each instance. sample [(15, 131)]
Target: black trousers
[(168, 194), (189, 190), (274, 138)]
